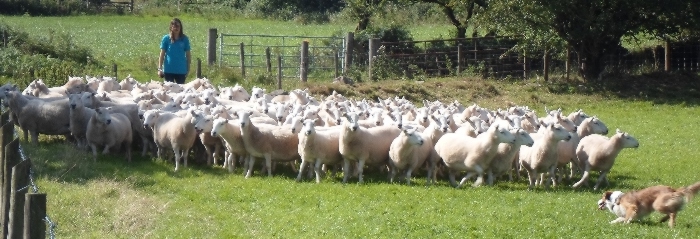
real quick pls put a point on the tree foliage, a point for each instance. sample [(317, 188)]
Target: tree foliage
[(592, 28)]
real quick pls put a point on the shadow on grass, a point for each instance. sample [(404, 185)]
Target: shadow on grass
[(658, 87)]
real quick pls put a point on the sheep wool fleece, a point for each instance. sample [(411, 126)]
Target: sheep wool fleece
[(175, 61)]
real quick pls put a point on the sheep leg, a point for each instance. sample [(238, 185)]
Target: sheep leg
[(408, 175), (360, 168), (210, 155), (35, 138), (392, 172), (268, 164), (465, 178), (26, 135), (250, 163), (106, 150), (346, 170), (532, 176), (217, 152), (230, 162), (94, 152), (144, 148), (177, 158), (301, 169), (552, 177), (584, 178), (451, 177), (317, 170), (601, 178), (480, 176), (490, 177), (311, 169)]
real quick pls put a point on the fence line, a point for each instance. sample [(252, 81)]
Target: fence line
[(323, 52), (23, 214)]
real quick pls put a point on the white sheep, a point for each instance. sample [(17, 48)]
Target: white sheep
[(203, 124), (267, 141), (318, 147), (463, 153), (543, 155), (109, 129), (597, 152), (364, 145), (507, 154), (171, 131), (567, 149), (79, 118), (36, 116), (408, 151)]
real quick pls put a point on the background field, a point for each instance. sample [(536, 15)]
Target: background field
[(115, 199)]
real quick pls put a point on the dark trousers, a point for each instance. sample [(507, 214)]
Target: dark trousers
[(177, 78)]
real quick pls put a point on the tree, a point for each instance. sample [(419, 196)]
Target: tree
[(592, 28), (459, 12), (363, 10)]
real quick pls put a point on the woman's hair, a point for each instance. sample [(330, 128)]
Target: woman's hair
[(176, 21)]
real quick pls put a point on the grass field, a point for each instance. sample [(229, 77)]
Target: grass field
[(145, 198)]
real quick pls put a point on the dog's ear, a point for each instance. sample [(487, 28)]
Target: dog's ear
[(606, 195)]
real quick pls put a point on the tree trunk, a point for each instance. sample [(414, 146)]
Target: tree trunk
[(362, 25)]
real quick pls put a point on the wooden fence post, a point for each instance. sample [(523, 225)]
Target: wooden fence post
[(279, 72), (199, 68), (546, 64), (459, 58), (349, 44), (667, 56), (211, 46), (568, 61), (114, 70), (5, 118), (268, 60), (20, 183), (304, 61), (242, 59), (131, 6), (34, 214), (373, 47), (335, 64), (525, 66), (12, 158)]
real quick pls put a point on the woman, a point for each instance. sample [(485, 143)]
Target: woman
[(174, 59)]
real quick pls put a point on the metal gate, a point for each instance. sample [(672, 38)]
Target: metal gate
[(326, 54)]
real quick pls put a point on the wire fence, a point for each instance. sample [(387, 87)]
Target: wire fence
[(258, 54), (10, 199)]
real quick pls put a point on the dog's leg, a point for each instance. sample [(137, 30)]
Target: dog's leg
[(665, 218), (671, 220), (631, 213), (603, 174), (618, 220)]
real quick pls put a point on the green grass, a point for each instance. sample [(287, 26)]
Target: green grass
[(145, 198), (115, 199), (132, 42)]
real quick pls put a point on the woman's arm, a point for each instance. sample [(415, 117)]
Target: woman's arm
[(160, 59), (187, 54)]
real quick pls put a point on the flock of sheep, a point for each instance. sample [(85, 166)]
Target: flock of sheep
[(322, 134)]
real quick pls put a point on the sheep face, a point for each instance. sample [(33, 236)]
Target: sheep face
[(413, 137), (522, 137), (352, 119), (309, 126), (244, 117), (558, 132), (423, 115), (595, 125), (203, 123), (281, 112), (74, 101), (627, 140), (217, 126), (503, 135), (150, 117), (103, 115)]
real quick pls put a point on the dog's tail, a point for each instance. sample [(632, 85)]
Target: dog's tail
[(690, 191)]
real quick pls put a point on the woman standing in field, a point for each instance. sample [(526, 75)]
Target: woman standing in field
[(174, 59)]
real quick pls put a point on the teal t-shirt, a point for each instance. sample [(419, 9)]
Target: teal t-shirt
[(175, 61)]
